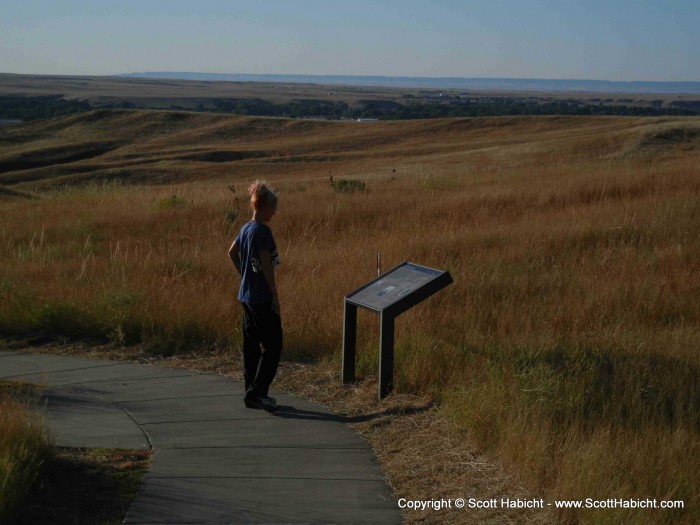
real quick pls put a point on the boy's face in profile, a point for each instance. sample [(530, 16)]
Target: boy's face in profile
[(268, 212)]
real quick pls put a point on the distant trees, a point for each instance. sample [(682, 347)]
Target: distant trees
[(692, 105), (294, 109), (40, 107), (511, 106)]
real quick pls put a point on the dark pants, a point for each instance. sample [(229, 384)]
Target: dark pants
[(261, 326)]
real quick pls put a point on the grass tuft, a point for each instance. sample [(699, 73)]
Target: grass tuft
[(24, 448), (348, 186), (172, 202)]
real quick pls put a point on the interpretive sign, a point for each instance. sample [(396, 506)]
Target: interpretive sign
[(389, 295), (395, 287)]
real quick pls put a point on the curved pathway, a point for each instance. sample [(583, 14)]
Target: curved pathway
[(215, 461)]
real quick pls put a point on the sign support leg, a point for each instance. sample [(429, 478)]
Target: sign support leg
[(349, 342), (386, 354)]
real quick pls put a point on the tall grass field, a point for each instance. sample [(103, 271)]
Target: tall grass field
[(24, 448), (567, 345)]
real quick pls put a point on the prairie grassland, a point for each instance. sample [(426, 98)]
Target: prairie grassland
[(567, 345), (24, 447)]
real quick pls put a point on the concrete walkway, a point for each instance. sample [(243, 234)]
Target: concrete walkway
[(215, 461)]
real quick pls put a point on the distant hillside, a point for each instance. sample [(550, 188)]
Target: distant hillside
[(31, 97), (155, 147), (480, 84)]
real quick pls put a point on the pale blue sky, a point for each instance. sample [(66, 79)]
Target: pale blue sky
[(592, 39)]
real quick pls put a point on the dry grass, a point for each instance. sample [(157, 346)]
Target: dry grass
[(40, 483), (567, 345), (24, 447)]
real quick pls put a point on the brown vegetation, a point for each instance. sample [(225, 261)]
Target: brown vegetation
[(24, 446), (567, 345)]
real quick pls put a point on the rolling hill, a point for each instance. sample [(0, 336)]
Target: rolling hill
[(153, 147)]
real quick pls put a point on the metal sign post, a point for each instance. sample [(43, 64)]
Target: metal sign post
[(389, 295)]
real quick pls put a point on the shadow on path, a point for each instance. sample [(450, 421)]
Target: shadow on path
[(290, 412)]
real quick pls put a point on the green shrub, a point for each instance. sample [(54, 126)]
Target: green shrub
[(348, 186), (67, 320), (172, 202)]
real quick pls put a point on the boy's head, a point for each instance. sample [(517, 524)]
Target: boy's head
[(262, 198)]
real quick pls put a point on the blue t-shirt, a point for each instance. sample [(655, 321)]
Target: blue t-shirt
[(254, 238)]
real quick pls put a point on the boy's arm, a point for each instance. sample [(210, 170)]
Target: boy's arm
[(269, 273), (234, 253)]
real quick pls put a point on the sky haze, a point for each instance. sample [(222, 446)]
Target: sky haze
[(586, 39)]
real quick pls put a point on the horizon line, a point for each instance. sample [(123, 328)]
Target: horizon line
[(336, 75), (451, 77)]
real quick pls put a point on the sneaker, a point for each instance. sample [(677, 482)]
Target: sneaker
[(262, 403), (252, 402), (268, 403), (274, 401)]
